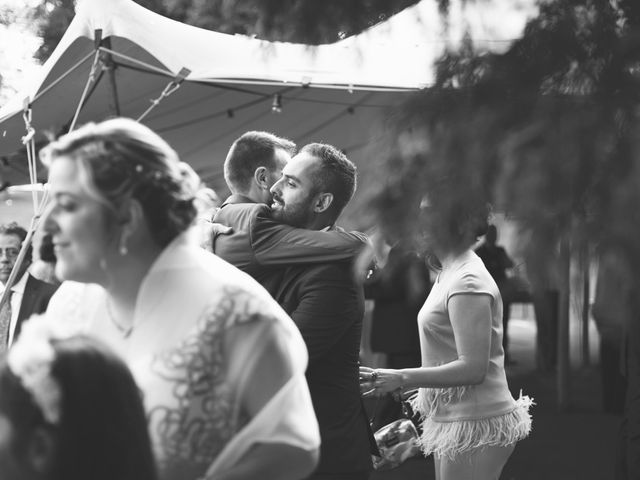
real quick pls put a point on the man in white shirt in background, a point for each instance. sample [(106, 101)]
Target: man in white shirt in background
[(28, 294)]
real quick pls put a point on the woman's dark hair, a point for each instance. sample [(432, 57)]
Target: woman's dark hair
[(102, 433), (46, 251), (458, 224), (119, 159)]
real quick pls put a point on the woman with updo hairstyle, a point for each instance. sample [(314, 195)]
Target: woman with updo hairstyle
[(471, 422), (70, 410), (220, 364)]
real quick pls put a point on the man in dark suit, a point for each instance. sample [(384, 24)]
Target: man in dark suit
[(324, 299), (260, 245), (29, 295)]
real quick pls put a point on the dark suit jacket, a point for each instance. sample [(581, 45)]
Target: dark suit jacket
[(327, 305), (399, 290), (259, 245), (34, 300)]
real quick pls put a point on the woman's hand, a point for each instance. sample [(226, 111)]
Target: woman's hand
[(380, 381)]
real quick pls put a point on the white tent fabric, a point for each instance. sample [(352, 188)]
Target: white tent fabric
[(327, 93), (331, 93)]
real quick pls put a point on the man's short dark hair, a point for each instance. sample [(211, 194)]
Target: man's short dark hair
[(12, 228), (336, 174), (250, 151)]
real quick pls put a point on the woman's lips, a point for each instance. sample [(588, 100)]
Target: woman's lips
[(59, 246)]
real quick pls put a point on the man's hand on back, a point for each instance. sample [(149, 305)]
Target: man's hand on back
[(210, 231)]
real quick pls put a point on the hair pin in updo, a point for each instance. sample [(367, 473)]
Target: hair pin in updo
[(139, 168)]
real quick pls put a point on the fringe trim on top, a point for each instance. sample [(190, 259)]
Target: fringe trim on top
[(460, 436), (427, 400)]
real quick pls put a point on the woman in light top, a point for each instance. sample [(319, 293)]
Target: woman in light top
[(70, 410), (471, 422), (220, 363)]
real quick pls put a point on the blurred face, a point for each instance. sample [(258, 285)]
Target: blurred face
[(9, 250), (77, 224), (294, 194), (425, 221)]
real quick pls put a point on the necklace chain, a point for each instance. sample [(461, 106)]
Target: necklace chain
[(124, 330)]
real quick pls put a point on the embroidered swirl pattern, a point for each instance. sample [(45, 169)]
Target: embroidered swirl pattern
[(199, 423)]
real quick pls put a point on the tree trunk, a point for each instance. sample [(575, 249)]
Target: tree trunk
[(563, 326)]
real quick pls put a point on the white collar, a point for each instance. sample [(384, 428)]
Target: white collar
[(19, 286)]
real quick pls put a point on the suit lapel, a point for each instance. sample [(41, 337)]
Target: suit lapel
[(27, 303)]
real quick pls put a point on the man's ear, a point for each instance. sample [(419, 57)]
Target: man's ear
[(261, 177), (323, 202), (41, 451)]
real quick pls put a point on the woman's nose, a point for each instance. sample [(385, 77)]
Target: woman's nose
[(47, 220)]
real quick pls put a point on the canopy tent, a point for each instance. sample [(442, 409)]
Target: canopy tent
[(117, 58), (202, 89)]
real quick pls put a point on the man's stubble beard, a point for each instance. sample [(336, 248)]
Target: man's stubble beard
[(294, 219), (299, 216)]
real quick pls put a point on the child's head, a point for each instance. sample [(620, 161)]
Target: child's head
[(70, 409)]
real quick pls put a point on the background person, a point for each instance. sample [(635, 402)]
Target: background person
[(43, 267), (399, 290), (616, 311), (319, 292), (220, 364), (28, 295), (471, 422), (70, 410), (497, 261), (613, 311), (253, 164), (260, 245)]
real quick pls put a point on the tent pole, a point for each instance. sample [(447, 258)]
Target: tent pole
[(90, 82), (110, 66), (62, 77), (92, 76), (114, 89)]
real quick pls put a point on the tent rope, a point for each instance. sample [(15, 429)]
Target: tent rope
[(135, 61), (90, 80), (30, 145), (38, 208), (63, 76), (171, 87)]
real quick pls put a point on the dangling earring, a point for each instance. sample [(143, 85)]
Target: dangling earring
[(122, 248)]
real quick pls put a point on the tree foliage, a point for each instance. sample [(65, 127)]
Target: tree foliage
[(52, 17), (303, 21), (545, 132)]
